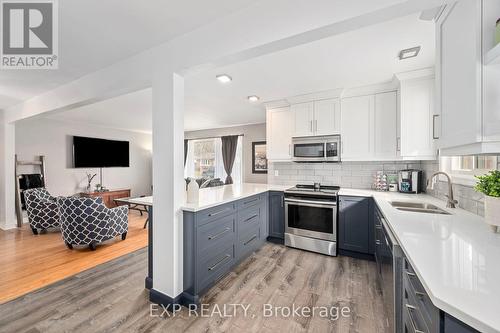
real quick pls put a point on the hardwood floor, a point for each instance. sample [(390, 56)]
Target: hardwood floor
[(112, 298), (29, 262)]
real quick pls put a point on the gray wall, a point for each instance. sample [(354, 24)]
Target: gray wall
[(250, 133), (52, 138)]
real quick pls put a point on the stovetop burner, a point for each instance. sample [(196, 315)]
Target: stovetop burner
[(322, 189)]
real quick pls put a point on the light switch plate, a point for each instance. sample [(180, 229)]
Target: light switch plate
[(276, 173)]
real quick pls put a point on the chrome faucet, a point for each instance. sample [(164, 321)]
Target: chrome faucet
[(451, 202)]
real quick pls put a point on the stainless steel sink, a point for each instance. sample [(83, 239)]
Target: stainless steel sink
[(418, 207)]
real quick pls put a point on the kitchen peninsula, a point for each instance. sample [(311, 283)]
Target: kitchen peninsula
[(445, 252)]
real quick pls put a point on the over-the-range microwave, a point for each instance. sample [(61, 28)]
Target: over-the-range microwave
[(316, 149)]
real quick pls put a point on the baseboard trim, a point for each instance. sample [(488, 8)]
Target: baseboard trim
[(356, 255), (5, 227), (148, 283), (275, 240), (170, 303)]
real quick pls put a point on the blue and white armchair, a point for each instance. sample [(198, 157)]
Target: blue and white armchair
[(87, 221), (42, 209)]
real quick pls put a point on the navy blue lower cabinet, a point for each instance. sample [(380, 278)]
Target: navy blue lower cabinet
[(276, 216), (453, 325), (356, 226), (218, 238)]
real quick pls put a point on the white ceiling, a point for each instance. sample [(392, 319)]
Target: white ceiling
[(357, 58), (94, 34)]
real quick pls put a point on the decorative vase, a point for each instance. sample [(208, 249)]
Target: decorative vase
[(193, 191), (492, 212)]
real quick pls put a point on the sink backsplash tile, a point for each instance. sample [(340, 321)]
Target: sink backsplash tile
[(345, 174), (466, 196), (360, 175)]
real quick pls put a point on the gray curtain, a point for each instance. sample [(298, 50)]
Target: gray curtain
[(185, 150), (229, 145)]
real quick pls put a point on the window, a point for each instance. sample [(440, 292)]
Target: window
[(463, 168), (204, 160)]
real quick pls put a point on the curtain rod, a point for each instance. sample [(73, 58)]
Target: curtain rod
[(214, 137)]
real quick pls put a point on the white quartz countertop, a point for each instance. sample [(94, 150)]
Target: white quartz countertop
[(456, 257), (214, 196)]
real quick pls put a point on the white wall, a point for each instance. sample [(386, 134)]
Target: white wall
[(251, 133), (7, 197), (52, 138)]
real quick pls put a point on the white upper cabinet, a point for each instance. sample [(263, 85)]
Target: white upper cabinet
[(327, 117), (316, 118), (357, 128), (418, 121), (369, 127), (304, 119), (467, 89), (385, 125), (279, 124)]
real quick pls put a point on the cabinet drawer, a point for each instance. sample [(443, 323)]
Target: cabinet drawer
[(249, 219), (248, 242), (413, 320), (217, 232), (215, 213), (416, 294), (215, 267), (251, 201)]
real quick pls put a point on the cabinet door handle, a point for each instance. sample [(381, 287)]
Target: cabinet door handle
[(377, 242), (409, 308), (282, 201), (252, 217), (219, 262), (434, 126), (251, 239), (250, 201), (311, 125), (417, 293), (219, 234), (217, 213)]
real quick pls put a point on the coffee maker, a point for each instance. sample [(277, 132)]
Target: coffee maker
[(410, 181)]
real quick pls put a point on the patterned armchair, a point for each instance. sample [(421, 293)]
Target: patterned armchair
[(87, 221), (42, 209)]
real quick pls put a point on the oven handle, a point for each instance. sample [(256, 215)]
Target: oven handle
[(311, 203)]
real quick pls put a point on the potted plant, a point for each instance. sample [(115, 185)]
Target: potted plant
[(489, 185)]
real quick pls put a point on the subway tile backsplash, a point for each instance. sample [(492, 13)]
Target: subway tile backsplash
[(360, 175), (345, 174), (466, 196)]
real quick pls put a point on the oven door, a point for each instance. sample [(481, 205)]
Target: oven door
[(315, 219)]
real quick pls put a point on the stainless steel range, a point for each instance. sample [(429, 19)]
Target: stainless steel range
[(311, 218)]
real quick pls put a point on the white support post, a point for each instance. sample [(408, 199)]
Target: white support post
[(7, 177), (168, 181)]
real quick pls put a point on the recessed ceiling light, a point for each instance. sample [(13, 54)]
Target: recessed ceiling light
[(224, 78), (253, 98), (409, 53)]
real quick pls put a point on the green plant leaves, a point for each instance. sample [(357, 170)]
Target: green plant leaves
[(489, 184)]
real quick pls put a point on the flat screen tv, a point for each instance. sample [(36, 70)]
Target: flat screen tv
[(99, 153)]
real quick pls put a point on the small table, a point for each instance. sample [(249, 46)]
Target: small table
[(147, 203), (133, 204)]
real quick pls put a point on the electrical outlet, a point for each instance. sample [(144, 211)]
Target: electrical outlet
[(276, 173)]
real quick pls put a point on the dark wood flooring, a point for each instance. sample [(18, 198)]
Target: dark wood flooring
[(111, 298)]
